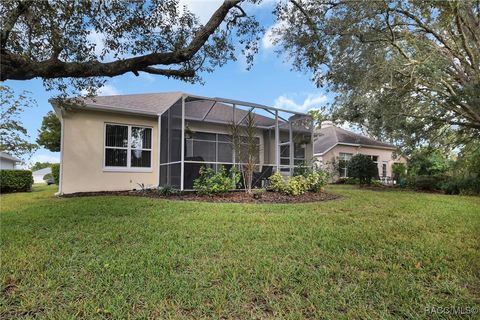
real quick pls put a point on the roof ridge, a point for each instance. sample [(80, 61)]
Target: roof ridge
[(136, 94), (363, 136)]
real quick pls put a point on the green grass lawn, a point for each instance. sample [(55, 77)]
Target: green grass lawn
[(369, 255)]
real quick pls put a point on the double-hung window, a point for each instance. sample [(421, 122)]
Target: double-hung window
[(343, 159), (127, 147)]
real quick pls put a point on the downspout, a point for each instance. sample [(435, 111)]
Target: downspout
[(159, 138), (277, 143), (62, 133)]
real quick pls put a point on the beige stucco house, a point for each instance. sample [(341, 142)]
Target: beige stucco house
[(134, 141), (334, 145)]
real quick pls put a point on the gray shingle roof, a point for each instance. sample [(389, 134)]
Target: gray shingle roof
[(196, 107), (331, 136), (148, 103), (157, 103)]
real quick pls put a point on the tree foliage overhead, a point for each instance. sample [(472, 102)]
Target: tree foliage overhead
[(50, 132), (13, 135), (406, 70), (40, 165), (55, 40)]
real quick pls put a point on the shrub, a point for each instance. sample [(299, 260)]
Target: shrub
[(426, 183), (56, 172), (428, 162), (302, 169), (317, 180), (363, 168), (298, 185), (464, 186), (277, 183), (167, 191), (377, 183), (47, 177), (258, 193), (210, 182), (399, 170), (15, 180), (402, 182)]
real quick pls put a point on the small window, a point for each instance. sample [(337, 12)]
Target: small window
[(128, 146), (343, 159), (384, 169)]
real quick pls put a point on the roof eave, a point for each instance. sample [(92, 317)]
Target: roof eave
[(355, 145)]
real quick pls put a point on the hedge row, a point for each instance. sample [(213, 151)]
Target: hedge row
[(15, 180), (56, 172)]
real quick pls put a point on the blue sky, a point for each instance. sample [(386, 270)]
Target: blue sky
[(269, 82)]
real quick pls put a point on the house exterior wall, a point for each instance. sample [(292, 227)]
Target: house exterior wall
[(7, 164), (83, 153), (384, 155), (38, 178)]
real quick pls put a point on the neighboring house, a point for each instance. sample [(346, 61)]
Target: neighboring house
[(336, 145), (7, 161), (39, 174), (130, 141)]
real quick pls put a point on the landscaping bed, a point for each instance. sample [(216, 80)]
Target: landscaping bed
[(231, 197)]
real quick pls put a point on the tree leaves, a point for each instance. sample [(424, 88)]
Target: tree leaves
[(13, 135), (406, 71)]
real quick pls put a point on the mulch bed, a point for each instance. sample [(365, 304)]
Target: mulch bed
[(231, 197)]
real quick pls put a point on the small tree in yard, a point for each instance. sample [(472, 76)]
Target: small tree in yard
[(363, 168), (246, 148)]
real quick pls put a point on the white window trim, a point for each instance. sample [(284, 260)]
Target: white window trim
[(343, 156), (129, 148)]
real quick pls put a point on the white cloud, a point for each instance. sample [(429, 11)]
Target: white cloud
[(108, 90), (312, 101), (203, 9), (98, 39), (269, 38)]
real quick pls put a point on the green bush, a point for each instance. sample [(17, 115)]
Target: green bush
[(377, 183), (210, 182), (399, 170), (427, 183), (258, 193), (277, 183), (167, 191), (317, 180), (363, 168), (463, 186), (302, 169), (56, 172), (15, 180), (298, 185), (47, 176)]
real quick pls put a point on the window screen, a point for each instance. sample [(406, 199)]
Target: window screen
[(119, 152)]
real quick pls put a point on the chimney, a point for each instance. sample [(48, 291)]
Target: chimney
[(326, 124)]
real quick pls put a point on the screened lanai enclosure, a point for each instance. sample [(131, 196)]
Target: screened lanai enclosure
[(198, 132)]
